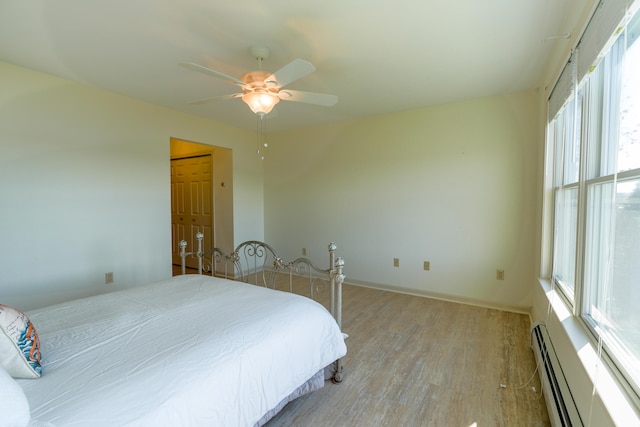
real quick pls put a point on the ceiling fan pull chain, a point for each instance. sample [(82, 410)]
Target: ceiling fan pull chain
[(258, 135), (261, 135)]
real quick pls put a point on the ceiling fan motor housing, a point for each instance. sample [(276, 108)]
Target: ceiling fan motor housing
[(255, 79)]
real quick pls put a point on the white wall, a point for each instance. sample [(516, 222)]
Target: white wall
[(84, 187), (453, 185)]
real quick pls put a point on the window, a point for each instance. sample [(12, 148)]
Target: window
[(595, 140), (566, 168)]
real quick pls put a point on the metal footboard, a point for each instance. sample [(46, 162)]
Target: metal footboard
[(257, 263)]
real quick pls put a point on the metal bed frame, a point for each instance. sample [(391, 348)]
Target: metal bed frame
[(257, 263)]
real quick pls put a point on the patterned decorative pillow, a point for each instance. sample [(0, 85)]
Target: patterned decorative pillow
[(14, 407), (19, 344)]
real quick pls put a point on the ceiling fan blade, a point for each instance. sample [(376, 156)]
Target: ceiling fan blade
[(308, 97), (216, 98), (291, 72), (202, 69)]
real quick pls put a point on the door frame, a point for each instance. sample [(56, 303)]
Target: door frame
[(222, 188)]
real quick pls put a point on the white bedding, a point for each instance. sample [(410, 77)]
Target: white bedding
[(189, 351)]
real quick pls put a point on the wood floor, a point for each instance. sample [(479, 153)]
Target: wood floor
[(415, 361)]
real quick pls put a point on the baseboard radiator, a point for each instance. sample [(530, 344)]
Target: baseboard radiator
[(560, 404)]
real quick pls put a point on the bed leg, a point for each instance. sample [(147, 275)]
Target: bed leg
[(339, 280), (199, 237), (337, 274), (338, 375), (183, 254)]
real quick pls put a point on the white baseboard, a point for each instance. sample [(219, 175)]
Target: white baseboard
[(443, 297)]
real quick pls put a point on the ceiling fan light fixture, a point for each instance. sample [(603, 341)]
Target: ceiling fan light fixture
[(260, 102)]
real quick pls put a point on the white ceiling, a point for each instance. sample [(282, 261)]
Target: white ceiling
[(377, 56)]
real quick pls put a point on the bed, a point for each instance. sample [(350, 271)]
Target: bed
[(192, 350)]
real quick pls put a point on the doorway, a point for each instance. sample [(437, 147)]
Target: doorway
[(191, 204), (201, 197)]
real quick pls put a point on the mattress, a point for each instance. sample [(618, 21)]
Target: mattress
[(188, 351)]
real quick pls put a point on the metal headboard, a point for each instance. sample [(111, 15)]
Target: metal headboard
[(258, 263)]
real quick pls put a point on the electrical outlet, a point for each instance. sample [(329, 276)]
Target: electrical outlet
[(396, 262), (500, 274), (427, 265), (304, 251), (108, 278)]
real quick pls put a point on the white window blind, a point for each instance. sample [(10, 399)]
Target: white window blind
[(563, 89), (603, 28)]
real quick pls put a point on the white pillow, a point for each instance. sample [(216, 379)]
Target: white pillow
[(14, 408), (19, 344)]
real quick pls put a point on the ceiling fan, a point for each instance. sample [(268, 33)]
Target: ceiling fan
[(261, 90)]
